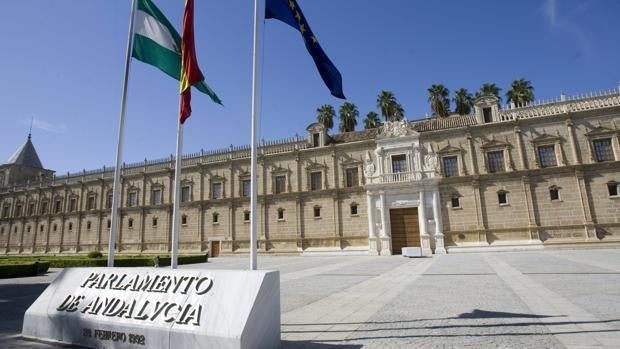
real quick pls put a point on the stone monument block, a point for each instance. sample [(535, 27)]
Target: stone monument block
[(158, 308)]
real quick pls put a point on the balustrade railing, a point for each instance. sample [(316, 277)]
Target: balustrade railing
[(400, 177)]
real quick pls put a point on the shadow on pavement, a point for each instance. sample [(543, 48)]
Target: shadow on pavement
[(14, 301), (315, 345)]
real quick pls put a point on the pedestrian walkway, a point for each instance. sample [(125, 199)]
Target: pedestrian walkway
[(541, 299)]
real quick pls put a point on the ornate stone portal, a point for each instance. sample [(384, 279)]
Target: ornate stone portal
[(405, 176)]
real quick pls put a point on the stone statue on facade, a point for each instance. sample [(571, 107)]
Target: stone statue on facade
[(431, 161), (369, 166), (395, 128)]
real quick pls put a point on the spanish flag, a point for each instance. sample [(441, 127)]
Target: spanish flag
[(190, 72), (156, 42)]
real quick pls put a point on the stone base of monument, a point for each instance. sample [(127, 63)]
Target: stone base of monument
[(158, 308), (411, 252)]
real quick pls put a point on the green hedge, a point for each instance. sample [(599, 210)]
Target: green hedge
[(164, 261), (120, 261), (21, 270)]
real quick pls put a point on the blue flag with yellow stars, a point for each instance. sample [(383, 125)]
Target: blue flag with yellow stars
[(288, 11)]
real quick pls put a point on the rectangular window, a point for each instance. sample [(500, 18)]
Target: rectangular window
[(488, 117), (353, 209), (31, 209), (317, 211), (280, 184), (108, 201), (216, 218), (156, 197), (554, 194), (5, 211), (90, 204), (450, 166), (399, 163), (88, 225), (132, 199), (495, 160), (57, 206), (546, 156), (352, 179), (502, 198), (603, 150), (18, 210), (185, 194), (246, 216), (315, 180), (315, 139), (246, 188), (216, 190), (280, 214), (44, 207), (154, 221), (455, 202), (612, 188), (72, 204)]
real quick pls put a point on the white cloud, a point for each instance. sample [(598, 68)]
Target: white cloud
[(47, 126), (550, 12)]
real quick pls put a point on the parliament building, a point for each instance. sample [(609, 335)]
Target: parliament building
[(544, 175)]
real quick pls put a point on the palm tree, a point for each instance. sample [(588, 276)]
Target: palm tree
[(463, 101), (348, 117), (521, 92), (438, 98), (325, 115), (391, 110), (372, 120), (489, 89)]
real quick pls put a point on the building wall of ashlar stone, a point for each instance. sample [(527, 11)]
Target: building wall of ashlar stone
[(285, 228), (324, 226), (565, 211), (354, 225), (336, 227), (605, 209), (458, 218)]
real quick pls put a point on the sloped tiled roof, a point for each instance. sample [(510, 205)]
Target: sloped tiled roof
[(354, 136), (444, 123), (26, 155)]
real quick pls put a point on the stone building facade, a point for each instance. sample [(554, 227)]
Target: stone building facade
[(546, 174)]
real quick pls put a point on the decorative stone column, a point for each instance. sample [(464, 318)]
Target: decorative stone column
[(425, 242), (439, 237), (386, 239), (373, 247)]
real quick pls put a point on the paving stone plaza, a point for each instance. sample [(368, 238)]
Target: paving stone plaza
[(538, 299)]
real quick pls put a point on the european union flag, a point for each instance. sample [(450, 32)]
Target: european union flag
[(288, 11)]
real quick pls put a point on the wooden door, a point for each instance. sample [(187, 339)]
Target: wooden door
[(215, 249), (405, 228)]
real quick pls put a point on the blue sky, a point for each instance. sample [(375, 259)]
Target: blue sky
[(62, 64)]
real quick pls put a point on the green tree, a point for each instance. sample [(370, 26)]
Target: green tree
[(325, 115), (438, 98), (390, 109), (348, 117), (372, 120), (488, 89), (521, 92), (463, 101)]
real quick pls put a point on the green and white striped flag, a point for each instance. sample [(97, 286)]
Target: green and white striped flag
[(157, 43)]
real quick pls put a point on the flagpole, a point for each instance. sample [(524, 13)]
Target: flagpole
[(119, 147), (253, 183), (176, 217)]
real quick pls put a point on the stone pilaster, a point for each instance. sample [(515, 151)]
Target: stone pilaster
[(386, 240), (439, 237)]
